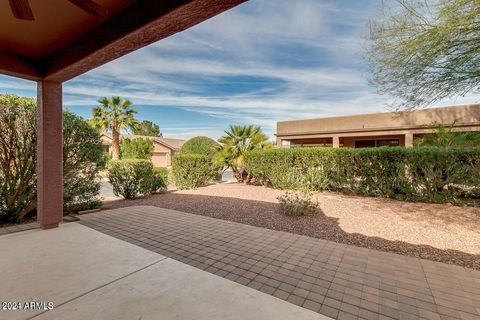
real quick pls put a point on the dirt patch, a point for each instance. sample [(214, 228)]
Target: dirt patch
[(24, 221), (436, 232)]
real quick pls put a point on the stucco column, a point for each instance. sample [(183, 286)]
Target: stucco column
[(336, 141), (408, 139), (279, 142), (49, 154)]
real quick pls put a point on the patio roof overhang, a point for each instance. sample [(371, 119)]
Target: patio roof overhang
[(64, 40), (54, 41)]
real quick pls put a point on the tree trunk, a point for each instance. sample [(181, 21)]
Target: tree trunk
[(115, 144), (237, 174), (248, 179)]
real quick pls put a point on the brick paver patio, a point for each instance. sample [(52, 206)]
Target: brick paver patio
[(337, 280)]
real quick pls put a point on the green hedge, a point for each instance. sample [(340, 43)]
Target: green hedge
[(426, 173), (190, 171), (131, 178), (161, 179)]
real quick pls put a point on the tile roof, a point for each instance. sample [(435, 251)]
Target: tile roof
[(171, 143)]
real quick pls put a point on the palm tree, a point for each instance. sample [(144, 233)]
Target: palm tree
[(114, 114), (235, 143)]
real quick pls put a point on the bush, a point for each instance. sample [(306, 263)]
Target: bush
[(162, 171), (80, 206), (200, 145), (297, 203), (440, 174), (447, 137), (160, 181), (136, 149), (3, 211), (190, 171), (131, 177), (82, 153), (425, 173), (18, 154), (83, 158)]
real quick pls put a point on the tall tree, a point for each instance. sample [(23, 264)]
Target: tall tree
[(423, 51), (147, 128), (235, 143), (114, 114)]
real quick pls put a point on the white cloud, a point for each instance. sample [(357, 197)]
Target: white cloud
[(261, 62), (252, 42), (8, 84)]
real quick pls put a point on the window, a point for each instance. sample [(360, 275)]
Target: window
[(388, 143), (364, 143), (285, 143), (377, 143)]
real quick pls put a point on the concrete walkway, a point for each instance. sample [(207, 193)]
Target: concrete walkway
[(337, 280), (86, 274)]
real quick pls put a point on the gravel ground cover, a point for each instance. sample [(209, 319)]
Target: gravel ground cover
[(437, 232)]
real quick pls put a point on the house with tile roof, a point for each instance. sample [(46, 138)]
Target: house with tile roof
[(164, 148)]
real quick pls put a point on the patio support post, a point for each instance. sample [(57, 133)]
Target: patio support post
[(336, 141), (49, 154)]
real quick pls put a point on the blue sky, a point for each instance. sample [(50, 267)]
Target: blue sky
[(263, 61)]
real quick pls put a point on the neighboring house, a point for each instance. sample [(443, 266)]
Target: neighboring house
[(376, 129), (164, 148)]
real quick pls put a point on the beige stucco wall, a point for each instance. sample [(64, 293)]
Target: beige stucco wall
[(161, 156), (389, 124), (106, 140), (160, 159), (468, 114)]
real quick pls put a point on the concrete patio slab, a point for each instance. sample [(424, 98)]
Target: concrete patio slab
[(63, 263), (173, 290), (90, 275)]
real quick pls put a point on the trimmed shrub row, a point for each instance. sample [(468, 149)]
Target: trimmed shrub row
[(191, 171), (425, 173)]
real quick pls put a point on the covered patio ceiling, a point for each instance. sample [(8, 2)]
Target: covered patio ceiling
[(56, 40)]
